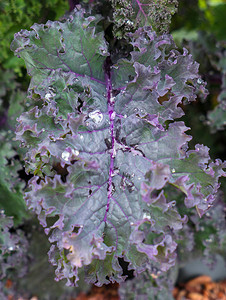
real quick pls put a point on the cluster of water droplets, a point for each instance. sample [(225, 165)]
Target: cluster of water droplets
[(66, 154), (115, 172), (146, 215), (126, 183), (12, 248), (200, 81), (140, 112), (95, 117), (50, 94)]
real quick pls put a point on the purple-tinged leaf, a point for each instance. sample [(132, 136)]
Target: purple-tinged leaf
[(102, 148)]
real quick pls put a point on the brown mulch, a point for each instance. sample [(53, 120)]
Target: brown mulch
[(101, 293), (199, 288)]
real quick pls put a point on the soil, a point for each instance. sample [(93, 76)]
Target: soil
[(101, 293), (199, 288)]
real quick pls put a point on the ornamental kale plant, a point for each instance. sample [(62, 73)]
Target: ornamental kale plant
[(106, 150)]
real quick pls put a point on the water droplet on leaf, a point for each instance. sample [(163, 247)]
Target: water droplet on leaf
[(113, 115), (50, 94), (96, 116), (146, 216), (65, 155), (103, 51), (75, 152), (173, 203), (199, 81), (209, 240)]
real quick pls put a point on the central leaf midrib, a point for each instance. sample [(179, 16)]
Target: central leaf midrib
[(112, 154)]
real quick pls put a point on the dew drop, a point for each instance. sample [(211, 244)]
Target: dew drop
[(1, 211), (158, 273), (103, 51), (128, 22), (125, 116), (11, 248), (96, 116), (209, 240), (146, 216), (65, 155), (113, 115), (173, 203), (199, 81), (50, 94), (75, 152), (112, 100), (131, 223), (81, 137), (173, 170), (135, 109)]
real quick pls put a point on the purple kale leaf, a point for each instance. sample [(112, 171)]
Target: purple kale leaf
[(217, 117), (149, 286), (13, 261), (102, 143), (129, 15)]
